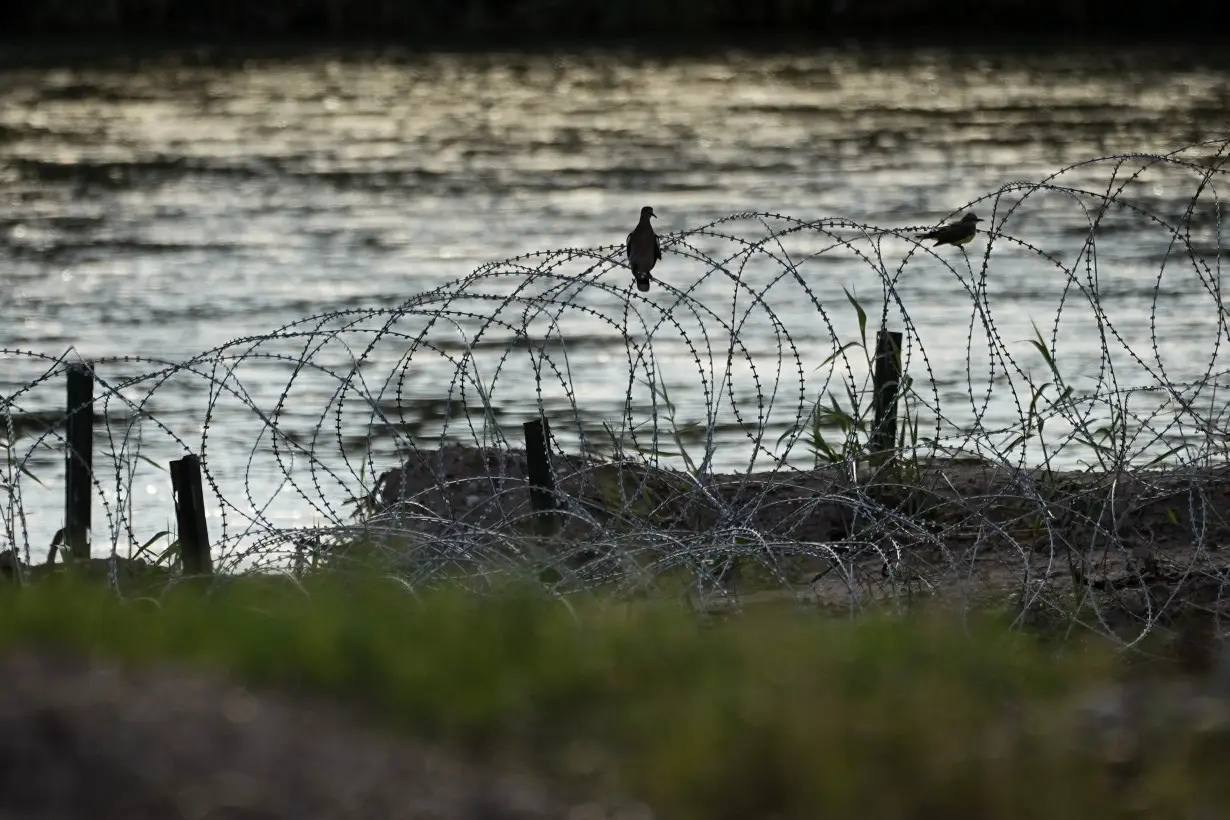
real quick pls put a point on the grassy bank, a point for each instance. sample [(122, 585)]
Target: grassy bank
[(772, 715)]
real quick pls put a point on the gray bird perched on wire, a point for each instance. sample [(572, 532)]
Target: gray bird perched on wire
[(643, 249), (954, 233)]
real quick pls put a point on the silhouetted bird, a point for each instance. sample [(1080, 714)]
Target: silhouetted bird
[(643, 249), (954, 233)]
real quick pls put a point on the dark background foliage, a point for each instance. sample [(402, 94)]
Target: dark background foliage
[(428, 20)]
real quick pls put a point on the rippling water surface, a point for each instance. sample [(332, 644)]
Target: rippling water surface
[(162, 210)]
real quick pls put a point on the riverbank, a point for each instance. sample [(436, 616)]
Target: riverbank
[(1115, 550), (218, 697)]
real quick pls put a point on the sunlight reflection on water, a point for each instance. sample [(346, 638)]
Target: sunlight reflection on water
[(165, 211)]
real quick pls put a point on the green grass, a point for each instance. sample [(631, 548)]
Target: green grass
[(773, 715)]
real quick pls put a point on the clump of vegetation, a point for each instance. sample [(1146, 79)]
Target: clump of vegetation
[(774, 714)]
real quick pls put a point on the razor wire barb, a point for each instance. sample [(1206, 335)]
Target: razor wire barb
[(709, 438)]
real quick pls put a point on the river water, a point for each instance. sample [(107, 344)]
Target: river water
[(177, 207)]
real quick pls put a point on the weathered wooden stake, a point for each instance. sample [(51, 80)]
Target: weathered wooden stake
[(542, 482), (886, 387), (190, 516), (78, 458)]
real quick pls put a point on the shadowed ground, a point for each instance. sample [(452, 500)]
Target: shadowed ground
[(85, 738)]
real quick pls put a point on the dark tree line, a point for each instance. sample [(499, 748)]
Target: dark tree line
[(527, 19)]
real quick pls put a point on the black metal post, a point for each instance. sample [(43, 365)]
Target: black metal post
[(190, 516), (79, 458), (542, 482)]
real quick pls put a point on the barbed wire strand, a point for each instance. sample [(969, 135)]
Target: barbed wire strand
[(1093, 493)]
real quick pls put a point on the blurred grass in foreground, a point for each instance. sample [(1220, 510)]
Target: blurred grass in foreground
[(776, 714)]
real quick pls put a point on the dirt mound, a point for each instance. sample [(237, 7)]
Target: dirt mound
[(457, 486), (1141, 541)]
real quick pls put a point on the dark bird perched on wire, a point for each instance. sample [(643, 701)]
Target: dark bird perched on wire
[(643, 249), (954, 233)]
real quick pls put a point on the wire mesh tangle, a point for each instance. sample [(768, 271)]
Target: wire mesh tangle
[(1055, 435)]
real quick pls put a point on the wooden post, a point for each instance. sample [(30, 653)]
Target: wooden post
[(542, 482), (886, 386), (190, 516), (78, 459)]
